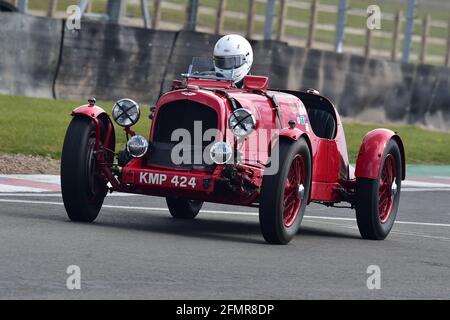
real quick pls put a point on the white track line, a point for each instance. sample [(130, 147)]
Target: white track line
[(242, 213), (33, 193), (408, 185), (55, 179), (441, 177), (415, 234), (30, 202), (423, 184), (45, 194), (396, 222), (395, 232), (424, 189), (10, 189)]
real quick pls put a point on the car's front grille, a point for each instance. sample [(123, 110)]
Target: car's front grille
[(195, 119)]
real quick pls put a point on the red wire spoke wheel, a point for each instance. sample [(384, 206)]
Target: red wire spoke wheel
[(294, 190), (377, 199), (387, 188), (284, 195), (82, 187)]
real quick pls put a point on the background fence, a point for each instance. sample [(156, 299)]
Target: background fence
[(42, 59), (309, 23)]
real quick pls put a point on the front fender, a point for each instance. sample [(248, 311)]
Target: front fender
[(101, 120), (291, 134), (371, 153), (294, 134), (88, 110)]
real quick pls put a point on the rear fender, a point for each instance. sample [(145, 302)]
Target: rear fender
[(371, 153)]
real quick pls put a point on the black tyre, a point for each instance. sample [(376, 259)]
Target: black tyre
[(377, 200), (83, 190), (183, 209), (284, 196)]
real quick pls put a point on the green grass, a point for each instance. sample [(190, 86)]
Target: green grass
[(421, 146), (37, 126)]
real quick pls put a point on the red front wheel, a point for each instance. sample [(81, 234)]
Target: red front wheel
[(285, 194), (293, 189), (83, 189), (377, 199)]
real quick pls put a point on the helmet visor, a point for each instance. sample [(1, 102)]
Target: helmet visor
[(230, 62)]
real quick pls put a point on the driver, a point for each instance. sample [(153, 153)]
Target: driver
[(233, 58)]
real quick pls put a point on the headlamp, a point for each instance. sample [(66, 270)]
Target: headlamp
[(126, 112), (242, 122), (221, 152), (137, 146)]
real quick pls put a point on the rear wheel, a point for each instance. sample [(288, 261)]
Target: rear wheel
[(378, 199), (83, 190), (182, 208), (284, 195)]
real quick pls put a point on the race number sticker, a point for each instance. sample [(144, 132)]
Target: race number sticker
[(304, 121)]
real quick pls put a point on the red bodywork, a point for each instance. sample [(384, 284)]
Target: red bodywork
[(371, 153), (333, 180)]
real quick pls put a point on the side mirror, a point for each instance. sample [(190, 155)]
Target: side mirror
[(256, 83)]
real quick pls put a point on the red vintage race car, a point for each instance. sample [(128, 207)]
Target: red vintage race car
[(277, 150)]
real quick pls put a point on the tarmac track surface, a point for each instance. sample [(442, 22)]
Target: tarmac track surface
[(136, 250)]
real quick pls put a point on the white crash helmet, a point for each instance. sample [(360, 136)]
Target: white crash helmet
[(233, 57)]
